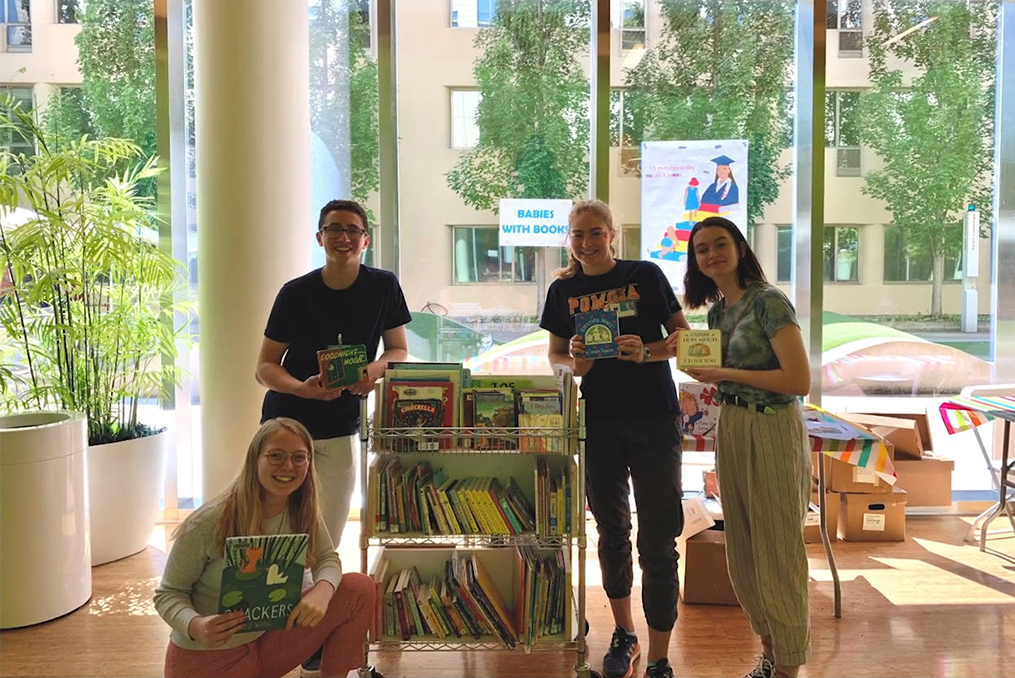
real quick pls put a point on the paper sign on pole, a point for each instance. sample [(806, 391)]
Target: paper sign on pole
[(533, 222)]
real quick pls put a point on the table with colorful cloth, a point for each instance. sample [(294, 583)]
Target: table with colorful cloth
[(963, 413)]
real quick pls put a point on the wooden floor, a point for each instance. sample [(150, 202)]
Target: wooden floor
[(931, 606)]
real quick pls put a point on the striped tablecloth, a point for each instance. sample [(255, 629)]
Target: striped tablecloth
[(864, 448), (962, 413)]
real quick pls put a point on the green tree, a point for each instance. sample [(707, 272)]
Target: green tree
[(721, 70), (332, 32), (116, 52), (931, 124), (534, 106)]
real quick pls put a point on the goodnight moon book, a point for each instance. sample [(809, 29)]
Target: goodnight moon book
[(263, 576)]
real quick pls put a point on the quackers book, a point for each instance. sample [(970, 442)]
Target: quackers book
[(263, 576)]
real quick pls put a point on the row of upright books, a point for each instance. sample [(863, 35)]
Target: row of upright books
[(486, 412), (422, 500), (524, 597)]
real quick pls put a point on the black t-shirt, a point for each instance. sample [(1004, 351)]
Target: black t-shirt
[(308, 315), (620, 389)]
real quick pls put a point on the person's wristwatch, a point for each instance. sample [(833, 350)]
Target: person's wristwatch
[(647, 353)]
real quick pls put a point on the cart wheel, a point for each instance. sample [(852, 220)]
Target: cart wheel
[(374, 673), (586, 631), (369, 672)]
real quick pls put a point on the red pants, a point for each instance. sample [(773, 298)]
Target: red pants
[(274, 654)]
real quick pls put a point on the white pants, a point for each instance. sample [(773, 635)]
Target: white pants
[(335, 460)]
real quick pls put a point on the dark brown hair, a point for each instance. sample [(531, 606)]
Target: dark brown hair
[(343, 206), (699, 289)]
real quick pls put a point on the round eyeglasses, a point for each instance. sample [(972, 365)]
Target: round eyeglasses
[(278, 457)]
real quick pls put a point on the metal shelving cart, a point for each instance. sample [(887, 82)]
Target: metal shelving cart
[(378, 442)]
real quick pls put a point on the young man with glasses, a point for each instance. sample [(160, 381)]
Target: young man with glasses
[(343, 301), (360, 304)]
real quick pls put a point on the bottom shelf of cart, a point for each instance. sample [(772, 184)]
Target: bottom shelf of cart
[(433, 644)]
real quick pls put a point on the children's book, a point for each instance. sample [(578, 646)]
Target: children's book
[(263, 576), (599, 330), (699, 409), (343, 365), (699, 348)]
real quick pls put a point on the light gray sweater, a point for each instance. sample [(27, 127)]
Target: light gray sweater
[(193, 576)]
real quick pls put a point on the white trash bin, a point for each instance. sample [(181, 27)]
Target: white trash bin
[(45, 556)]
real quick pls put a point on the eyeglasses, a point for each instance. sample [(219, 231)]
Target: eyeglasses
[(352, 232), (278, 457)]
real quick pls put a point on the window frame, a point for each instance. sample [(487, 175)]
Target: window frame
[(907, 259), (452, 119), (836, 230), (453, 17), (520, 252), (843, 166)]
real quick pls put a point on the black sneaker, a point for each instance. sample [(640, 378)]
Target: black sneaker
[(311, 668), (624, 649), (764, 669), (661, 669)]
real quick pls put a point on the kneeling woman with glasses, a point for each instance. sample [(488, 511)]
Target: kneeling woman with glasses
[(275, 493), (762, 455)]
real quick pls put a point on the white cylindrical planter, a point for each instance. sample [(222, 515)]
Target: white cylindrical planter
[(45, 562), (125, 483)]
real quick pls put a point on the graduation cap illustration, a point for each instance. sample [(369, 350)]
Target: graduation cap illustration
[(723, 160)]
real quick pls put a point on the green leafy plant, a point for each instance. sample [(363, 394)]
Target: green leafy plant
[(87, 300)]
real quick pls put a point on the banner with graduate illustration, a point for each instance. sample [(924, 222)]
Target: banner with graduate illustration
[(682, 182)]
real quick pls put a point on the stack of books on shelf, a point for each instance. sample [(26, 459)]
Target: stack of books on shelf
[(454, 595), (419, 399), (423, 500)]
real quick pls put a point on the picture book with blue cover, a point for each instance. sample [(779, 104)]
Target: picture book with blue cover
[(599, 330)]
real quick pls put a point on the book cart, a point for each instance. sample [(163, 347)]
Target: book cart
[(459, 564)]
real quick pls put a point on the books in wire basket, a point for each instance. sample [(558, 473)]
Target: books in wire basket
[(263, 576)]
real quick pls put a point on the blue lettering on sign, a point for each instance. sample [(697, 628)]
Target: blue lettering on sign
[(516, 228), (535, 214)]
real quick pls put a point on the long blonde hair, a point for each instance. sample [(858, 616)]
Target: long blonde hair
[(240, 504), (601, 210)]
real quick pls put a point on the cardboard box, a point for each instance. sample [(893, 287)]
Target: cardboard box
[(704, 577), (843, 477), (873, 517), (711, 483), (910, 433), (812, 526), (927, 481)]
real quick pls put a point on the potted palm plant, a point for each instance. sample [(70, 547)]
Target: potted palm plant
[(88, 305)]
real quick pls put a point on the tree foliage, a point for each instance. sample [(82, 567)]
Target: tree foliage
[(331, 34), (721, 70), (534, 106), (929, 117)]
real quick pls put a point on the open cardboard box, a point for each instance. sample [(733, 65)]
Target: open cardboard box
[(704, 576), (927, 481), (910, 432)]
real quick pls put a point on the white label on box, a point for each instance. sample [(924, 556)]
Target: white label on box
[(874, 522), (863, 475), (812, 520)]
